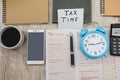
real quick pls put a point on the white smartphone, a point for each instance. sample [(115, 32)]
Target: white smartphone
[(35, 47)]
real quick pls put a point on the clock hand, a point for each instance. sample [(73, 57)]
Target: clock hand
[(99, 43), (91, 44), (95, 43)]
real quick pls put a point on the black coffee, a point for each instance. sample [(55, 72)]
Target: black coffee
[(10, 37)]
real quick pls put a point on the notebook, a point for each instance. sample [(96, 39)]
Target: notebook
[(25, 11), (71, 4), (58, 66), (110, 7)]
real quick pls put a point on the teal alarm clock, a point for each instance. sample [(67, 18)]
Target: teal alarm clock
[(94, 44)]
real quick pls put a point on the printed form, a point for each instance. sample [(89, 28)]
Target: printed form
[(58, 65), (58, 56)]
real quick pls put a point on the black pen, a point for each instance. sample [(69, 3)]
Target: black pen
[(72, 51)]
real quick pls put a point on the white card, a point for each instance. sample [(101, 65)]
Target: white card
[(70, 18)]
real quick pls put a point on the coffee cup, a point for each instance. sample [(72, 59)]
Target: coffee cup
[(11, 37)]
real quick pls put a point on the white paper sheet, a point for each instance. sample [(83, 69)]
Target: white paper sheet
[(58, 60), (70, 18)]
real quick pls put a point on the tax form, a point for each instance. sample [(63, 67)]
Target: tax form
[(58, 60)]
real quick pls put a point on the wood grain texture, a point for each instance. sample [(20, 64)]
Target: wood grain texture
[(13, 63)]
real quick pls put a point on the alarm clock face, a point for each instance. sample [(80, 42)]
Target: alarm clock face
[(94, 44)]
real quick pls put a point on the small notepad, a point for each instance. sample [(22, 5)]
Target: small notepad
[(70, 18)]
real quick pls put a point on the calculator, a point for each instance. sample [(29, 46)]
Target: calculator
[(115, 39)]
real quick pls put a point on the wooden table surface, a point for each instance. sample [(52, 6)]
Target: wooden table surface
[(13, 63)]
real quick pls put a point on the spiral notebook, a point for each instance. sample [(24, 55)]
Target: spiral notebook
[(110, 7), (25, 11)]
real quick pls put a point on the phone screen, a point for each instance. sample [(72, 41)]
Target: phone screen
[(35, 47)]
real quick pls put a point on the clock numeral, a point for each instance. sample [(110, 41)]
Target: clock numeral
[(91, 52), (85, 45), (97, 36), (93, 35), (86, 40), (102, 48), (99, 51), (87, 49), (88, 37), (103, 43), (95, 53)]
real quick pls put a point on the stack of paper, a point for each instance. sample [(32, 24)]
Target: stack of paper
[(58, 60)]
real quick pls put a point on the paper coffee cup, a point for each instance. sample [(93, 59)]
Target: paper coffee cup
[(11, 37)]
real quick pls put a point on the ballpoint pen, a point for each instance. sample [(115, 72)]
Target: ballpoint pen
[(72, 51)]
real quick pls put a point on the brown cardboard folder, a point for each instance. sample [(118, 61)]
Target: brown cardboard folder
[(25, 11)]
